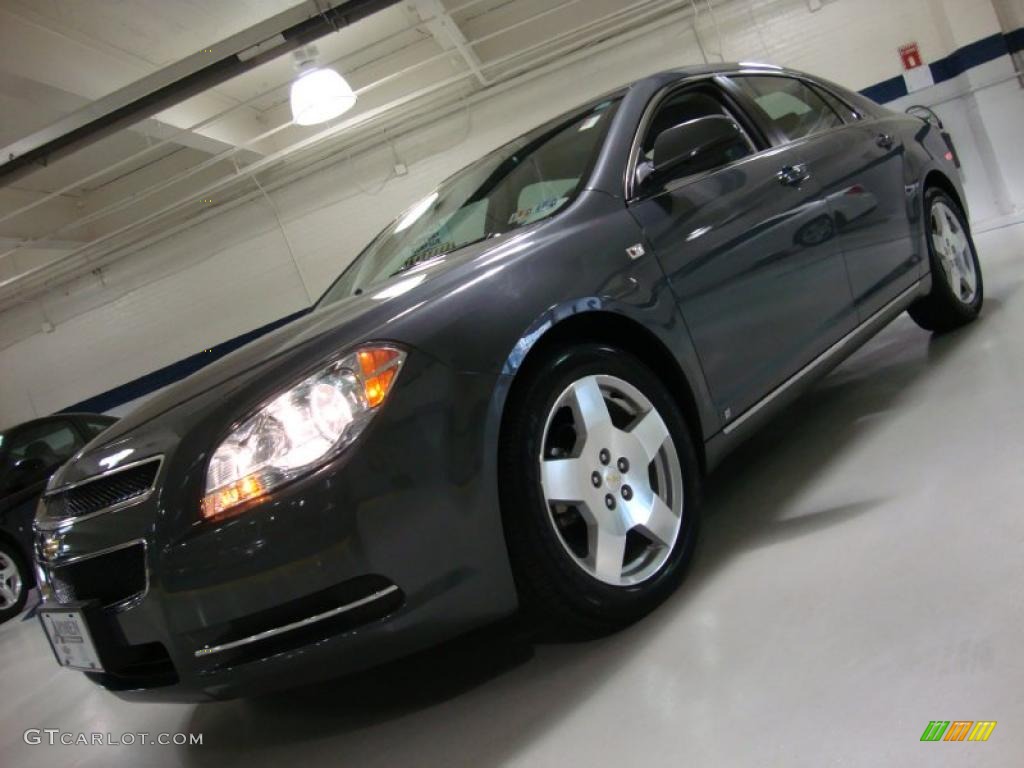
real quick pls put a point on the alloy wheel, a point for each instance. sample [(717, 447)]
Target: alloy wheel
[(954, 251), (612, 480), (10, 582)]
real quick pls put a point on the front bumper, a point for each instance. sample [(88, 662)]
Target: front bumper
[(394, 546)]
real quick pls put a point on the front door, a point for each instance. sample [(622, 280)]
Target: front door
[(748, 248)]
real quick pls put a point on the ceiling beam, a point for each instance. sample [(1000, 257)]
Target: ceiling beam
[(179, 81), (446, 33)]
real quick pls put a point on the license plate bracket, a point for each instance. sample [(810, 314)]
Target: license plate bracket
[(70, 639)]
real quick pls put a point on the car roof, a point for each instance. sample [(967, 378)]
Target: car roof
[(717, 68)]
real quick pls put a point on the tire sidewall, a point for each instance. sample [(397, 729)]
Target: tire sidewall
[(19, 562), (940, 283), (529, 508)]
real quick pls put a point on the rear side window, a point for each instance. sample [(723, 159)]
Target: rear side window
[(788, 106), (840, 107)]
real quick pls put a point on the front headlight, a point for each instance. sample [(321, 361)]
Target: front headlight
[(300, 428)]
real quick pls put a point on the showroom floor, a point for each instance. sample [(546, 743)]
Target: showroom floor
[(860, 574)]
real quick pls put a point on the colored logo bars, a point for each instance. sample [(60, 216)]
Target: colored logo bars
[(958, 730)]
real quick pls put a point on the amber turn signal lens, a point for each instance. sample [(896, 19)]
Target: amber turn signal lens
[(249, 487), (378, 366)]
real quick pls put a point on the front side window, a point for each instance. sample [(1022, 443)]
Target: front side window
[(788, 105), (525, 181), (723, 141)]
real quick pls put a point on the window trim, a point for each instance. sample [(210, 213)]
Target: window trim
[(816, 86), (758, 141), (780, 139)]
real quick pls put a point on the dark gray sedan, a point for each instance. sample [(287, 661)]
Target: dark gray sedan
[(509, 399)]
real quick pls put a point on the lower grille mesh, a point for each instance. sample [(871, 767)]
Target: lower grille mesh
[(110, 578)]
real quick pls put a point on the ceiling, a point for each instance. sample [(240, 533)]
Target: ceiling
[(90, 207)]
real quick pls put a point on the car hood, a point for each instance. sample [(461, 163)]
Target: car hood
[(322, 330)]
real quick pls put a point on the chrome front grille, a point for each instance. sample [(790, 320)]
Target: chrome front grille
[(117, 488), (111, 577)]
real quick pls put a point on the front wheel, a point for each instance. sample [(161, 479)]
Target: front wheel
[(14, 582), (600, 490), (957, 290)]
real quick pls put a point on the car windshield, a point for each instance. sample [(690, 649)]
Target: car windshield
[(524, 181)]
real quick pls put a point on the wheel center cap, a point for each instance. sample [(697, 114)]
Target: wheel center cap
[(613, 479)]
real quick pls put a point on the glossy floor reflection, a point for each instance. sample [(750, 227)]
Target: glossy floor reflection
[(860, 574)]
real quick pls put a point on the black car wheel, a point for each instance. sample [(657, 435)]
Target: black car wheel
[(600, 490), (957, 290), (14, 582)]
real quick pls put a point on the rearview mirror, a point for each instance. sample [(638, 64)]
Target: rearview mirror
[(698, 146)]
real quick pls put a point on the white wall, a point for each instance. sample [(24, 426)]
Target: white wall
[(235, 272)]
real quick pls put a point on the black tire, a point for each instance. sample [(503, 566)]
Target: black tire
[(555, 592), (13, 556), (942, 310)]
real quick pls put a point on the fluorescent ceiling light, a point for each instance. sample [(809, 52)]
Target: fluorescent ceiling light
[(319, 95)]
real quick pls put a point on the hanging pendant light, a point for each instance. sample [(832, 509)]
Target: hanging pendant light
[(318, 95)]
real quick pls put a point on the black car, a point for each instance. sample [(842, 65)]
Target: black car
[(29, 454), (509, 399)]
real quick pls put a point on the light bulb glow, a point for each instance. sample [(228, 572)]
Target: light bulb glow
[(319, 95), (299, 429)]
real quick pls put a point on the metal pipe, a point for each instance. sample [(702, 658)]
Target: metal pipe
[(174, 84), (229, 153), (206, 122)]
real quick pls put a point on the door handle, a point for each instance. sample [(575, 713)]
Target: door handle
[(793, 175), (884, 140)]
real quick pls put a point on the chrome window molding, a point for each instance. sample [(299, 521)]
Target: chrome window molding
[(68, 521), (629, 178)]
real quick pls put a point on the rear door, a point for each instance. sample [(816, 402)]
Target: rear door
[(748, 250), (859, 165)]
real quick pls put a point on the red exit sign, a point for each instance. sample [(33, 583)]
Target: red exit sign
[(910, 55)]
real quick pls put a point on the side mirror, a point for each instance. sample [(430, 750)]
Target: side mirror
[(26, 472), (697, 146)]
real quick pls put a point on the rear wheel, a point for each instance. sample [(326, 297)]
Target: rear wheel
[(600, 490), (957, 290), (14, 582)]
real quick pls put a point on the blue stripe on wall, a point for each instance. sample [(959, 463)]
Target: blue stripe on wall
[(972, 55), (1015, 40), (169, 374), (887, 90)]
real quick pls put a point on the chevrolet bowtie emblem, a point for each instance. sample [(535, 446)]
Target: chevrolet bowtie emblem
[(51, 545)]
